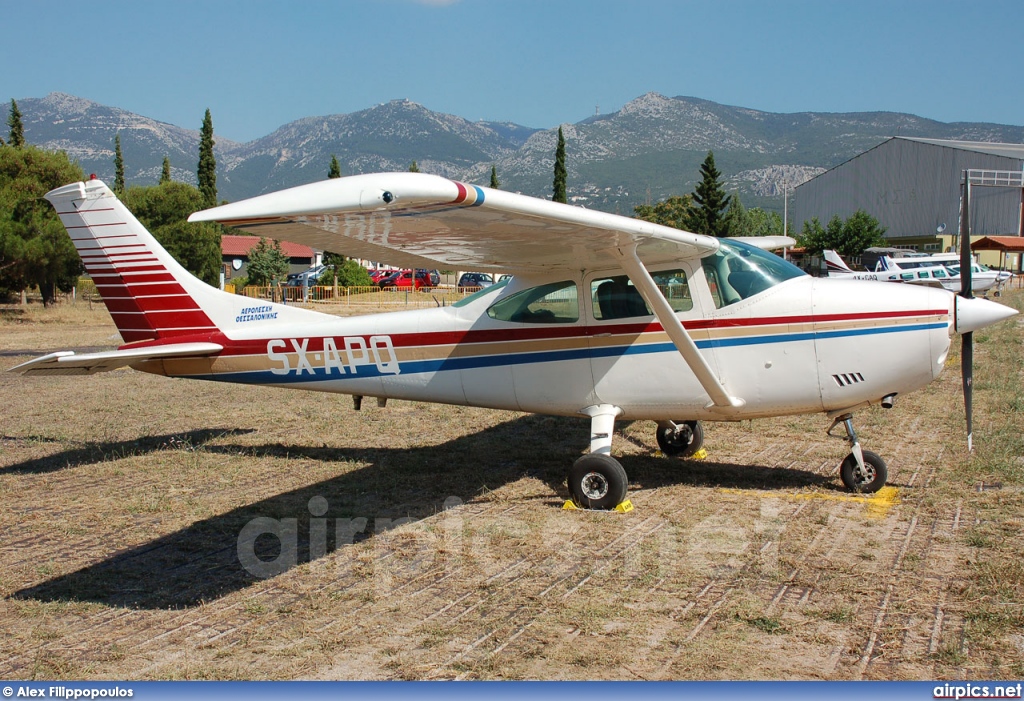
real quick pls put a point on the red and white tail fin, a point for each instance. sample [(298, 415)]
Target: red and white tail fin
[(150, 296), (835, 264)]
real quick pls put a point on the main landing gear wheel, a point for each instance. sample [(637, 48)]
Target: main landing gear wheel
[(682, 438), (871, 480), (597, 481)]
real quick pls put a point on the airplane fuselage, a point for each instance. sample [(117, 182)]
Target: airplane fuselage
[(806, 345)]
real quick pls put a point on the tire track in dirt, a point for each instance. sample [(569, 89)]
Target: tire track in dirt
[(889, 642), (508, 627), (228, 625)]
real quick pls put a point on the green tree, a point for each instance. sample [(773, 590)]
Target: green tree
[(333, 262), (207, 172), (335, 170), (736, 221), (847, 238), (495, 185), (267, 263), (558, 188), (165, 171), (414, 168), (710, 200), (349, 272), (16, 137), (35, 249), (676, 211), (163, 209), (118, 166), (764, 223)]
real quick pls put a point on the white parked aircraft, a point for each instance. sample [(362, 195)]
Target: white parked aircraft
[(606, 316), (944, 273)]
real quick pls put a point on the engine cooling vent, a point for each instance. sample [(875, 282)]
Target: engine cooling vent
[(846, 379)]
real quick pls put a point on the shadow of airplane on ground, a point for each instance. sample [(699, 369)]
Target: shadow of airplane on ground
[(201, 562), (93, 452)]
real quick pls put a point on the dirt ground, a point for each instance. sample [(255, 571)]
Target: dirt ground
[(429, 542)]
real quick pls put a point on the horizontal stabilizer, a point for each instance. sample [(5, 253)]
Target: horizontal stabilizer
[(70, 363)]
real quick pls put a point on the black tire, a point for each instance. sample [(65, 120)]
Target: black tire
[(685, 440), (877, 473), (597, 481)]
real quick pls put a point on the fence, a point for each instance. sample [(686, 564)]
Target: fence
[(361, 297)]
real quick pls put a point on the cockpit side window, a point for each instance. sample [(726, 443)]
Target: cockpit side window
[(738, 271), (554, 303)]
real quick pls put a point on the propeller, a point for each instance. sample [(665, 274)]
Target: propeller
[(966, 339)]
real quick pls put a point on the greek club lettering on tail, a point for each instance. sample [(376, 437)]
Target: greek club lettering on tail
[(604, 316)]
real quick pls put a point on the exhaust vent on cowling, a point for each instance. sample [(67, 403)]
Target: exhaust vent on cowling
[(846, 379)]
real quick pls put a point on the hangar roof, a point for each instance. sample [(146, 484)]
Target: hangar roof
[(995, 149)]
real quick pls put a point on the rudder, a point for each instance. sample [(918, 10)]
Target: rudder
[(149, 294)]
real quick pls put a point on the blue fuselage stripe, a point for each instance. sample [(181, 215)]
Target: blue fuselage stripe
[(411, 367)]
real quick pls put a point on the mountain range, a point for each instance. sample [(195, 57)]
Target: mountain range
[(650, 149)]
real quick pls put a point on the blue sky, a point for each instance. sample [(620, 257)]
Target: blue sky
[(259, 64)]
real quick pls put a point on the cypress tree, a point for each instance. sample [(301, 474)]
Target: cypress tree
[(165, 172), (558, 191), (335, 171), (16, 137), (494, 178), (711, 200), (207, 173), (414, 168), (118, 166)]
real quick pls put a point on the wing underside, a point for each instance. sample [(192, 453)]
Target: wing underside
[(425, 221)]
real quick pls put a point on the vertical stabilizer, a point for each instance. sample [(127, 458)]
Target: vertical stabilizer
[(148, 293), (834, 263)]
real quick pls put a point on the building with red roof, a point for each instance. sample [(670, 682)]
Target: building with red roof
[(235, 254)]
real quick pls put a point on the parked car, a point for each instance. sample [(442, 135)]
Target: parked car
[(406, 279), (435, 278), (379, 274), (306, 278), (473, 280)]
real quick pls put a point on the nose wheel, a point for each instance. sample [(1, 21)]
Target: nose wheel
[(862, 470)]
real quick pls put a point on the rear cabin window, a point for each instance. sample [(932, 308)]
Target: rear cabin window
[(617, 298), (554, 303)]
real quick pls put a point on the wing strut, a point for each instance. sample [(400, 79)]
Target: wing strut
[(673, 327)]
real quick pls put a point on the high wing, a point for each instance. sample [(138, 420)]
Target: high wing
[(70, 363), (418, 220), (767, 243)]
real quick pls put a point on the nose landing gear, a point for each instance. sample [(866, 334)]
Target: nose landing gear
[(862, 470)]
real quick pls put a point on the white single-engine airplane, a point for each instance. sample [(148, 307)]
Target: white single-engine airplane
[(944, 272), (606, 316)]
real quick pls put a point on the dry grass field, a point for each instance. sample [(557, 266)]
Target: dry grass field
[(430, 542)]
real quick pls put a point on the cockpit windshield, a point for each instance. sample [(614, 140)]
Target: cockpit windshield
[(739, 270)]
